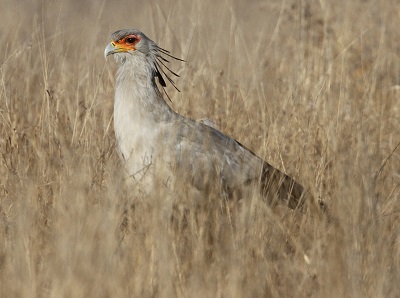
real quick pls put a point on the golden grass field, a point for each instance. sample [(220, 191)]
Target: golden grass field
[(313, 87)]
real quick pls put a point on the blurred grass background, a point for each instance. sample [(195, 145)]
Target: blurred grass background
[(312, 87)]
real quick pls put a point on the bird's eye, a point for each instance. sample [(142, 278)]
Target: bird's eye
[(131, 39)]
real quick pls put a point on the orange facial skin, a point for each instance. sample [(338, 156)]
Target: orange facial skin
[(126, 43)]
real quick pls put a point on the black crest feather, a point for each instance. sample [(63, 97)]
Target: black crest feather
[(160, 65)]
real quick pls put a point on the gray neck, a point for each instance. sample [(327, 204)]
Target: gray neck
[(139, 109), (136, 88)]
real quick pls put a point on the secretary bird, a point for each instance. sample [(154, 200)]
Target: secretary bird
[(150, 136)]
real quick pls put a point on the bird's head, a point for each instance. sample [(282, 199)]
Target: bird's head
[(129, 41), (126, 43)]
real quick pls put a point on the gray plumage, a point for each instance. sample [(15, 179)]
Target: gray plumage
[(153, 139)]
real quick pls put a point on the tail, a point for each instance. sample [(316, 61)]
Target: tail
[(278, 187)]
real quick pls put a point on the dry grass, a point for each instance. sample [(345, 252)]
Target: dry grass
[(313, 87)]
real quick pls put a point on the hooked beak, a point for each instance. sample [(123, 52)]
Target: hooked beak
[(114, 47), (110, 49)]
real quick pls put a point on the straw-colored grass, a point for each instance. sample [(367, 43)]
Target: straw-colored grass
[(312, 87)]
